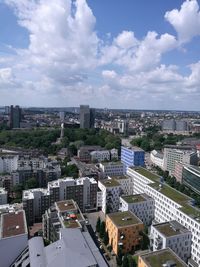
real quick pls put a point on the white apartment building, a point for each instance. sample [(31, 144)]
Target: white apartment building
[(111, 191), (8, 163), (157, 158), (169, 205), (13, 236), (125, 182), (171, 155), (100, 155), (141, 205), (173, 235), (3, 196), (82, 190), (112, 168)]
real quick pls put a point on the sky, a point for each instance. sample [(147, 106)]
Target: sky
[(128, 54)]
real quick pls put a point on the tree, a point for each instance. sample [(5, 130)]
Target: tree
[(119, 257), (98, 225), (106, 238), (102, 229), (125, 262), (31, 183)]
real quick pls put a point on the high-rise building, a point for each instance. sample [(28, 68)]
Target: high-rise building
[(15, 117), (87, 117)]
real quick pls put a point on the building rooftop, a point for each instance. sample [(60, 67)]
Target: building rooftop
[(111, 163), (160, 257), (66, 205), (121, 177), (171, 228), (109, 182), (152, 176), (133, 148), (135, 198), (13, 224), (123, 219)]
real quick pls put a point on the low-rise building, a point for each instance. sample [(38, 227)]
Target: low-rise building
[(141, 205), (157, 159), (99, 156), (173, 235), (63, 214), (123, 231), (112, 168), (161, 258), (13, 236), (84, 152), (3, 196)]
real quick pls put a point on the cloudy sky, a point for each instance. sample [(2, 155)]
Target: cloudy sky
[(137, 54)]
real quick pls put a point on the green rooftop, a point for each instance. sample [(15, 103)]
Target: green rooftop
[(125, 218), (147, 174), (109, 182), (119, 177), (167, 230), (134, 198), (158, 258)]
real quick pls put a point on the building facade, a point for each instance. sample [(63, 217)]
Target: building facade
[(132, 156), (191, 178)]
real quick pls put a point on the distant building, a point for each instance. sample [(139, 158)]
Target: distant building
[(124, 231), (13, 238), (141, 205), (8, 163), (98, 156), (15, 117), (165, 258), (174, 125), (132, 156), (87, 117), (84, 152), (74, 248), (173, 235)]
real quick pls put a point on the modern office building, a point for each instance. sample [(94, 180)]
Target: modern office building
[(171, 155), (161, 258), (124, 231), (63, 214), (13, 236), (74, 248), (87, 117), (132, 156), (173, 235), (169, 205), (141, 205), (82, 190), (15, 117), (191, 178), (157, 158)]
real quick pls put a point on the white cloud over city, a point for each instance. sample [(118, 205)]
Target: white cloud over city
[(66, 63)]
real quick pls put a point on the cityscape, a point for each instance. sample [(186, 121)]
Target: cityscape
[(99, 133)]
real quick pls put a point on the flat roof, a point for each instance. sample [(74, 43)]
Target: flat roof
[(151, 176), (133, 148), (160, 257), (109, 182), (171, 228), (111, 163), (125, 218), (66, 205), (120, 177), (13, 224), (135, 198)]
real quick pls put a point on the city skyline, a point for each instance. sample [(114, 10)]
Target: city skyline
[(67, 53)]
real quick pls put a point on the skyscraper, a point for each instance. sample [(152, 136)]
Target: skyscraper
[(87, 117), (15, 116)]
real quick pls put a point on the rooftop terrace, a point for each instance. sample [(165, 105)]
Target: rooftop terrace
[(158, 258), (134, 198), (66, 205), (122, 219), (151, 176), (172, 228)]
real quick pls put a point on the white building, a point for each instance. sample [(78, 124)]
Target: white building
[(171, 155), (125, 182), (27, 162), (100, 155), (114, 154), (13, 237), (3, 196), (112, 168), (157, 159), (8, 163), (173, 235), (111, 191), (169, 205), (141, 205)]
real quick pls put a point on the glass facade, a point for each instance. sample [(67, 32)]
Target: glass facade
[(191, 178)]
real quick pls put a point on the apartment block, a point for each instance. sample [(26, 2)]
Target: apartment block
[(13, 236), (125, 183), (141, 205), (63, 214), (111, 191), (132, 156), (173, 235), (112, 168), (123, 231), (98, 156), (169, 205), (161, 258), (8, 163)]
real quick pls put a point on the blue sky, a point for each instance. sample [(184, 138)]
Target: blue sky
[(105, 53)]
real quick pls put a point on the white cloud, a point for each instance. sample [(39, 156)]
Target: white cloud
[(185, 21)]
